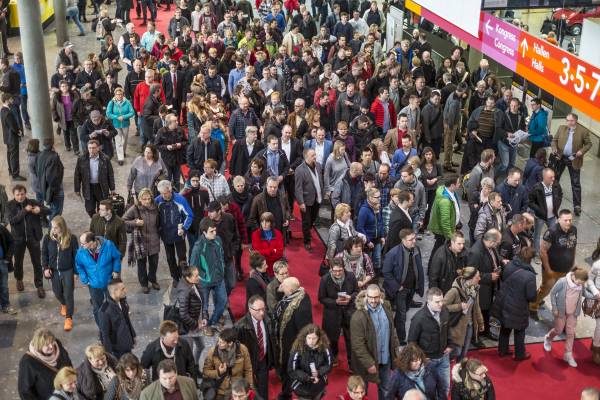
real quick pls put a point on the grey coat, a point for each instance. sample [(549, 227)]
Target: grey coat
[(558, 298), (150, 227), (486, 221), (31, 162), (335, 171), (305, 189), (452, 110), (432, 125)]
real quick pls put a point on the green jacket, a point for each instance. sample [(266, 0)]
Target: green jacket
[(443, 214), (207, 256)]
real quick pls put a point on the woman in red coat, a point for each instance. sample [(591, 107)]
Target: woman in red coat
[(268, 241)]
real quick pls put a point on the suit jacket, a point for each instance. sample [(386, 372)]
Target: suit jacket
[(82, 176), (581, 141), (327, 147), (10, 126), (240, 159), (398, 221), (296, 150), (247, 337), (173, 97), (305, 191)]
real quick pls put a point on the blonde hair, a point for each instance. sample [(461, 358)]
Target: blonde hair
[(339, 144), (414, 161), (42, 337), (64, 239), (340, 209), (143, 192), (95, 351), (65, 375), (238, 179)]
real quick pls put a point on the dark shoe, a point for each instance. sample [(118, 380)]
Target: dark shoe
[(578, 211), (175, 283), (155, 286), (416, 304), (68, 149), (18, 178), (9, 310), (307, 247), (534, 315), (77, 153), (449, 169), (455, 164), (8, 53), (28, 126), (20, 286), (145, 289), (120, 162), (81, 34), (505, 354), (524, 357), (41, 292), (477, 344)]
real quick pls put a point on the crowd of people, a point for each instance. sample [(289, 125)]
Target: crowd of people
[(244, 113)]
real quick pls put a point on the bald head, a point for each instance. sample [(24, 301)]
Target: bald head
[(289, 285), (356, 169)]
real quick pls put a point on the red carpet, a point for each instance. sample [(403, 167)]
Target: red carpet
[(545, 376)]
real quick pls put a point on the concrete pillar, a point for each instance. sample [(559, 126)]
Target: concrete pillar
[(32, 41), (60, 21)]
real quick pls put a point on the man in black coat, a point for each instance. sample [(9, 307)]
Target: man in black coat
[(483, 255), (292, 313), (12, 135), (50, 172), (150, 111), (293, 149), (537, 202), (116, 331), (399, 217), (517, 291), (337, 292), (429, 330), (446, 263), (94, 179), (88, 77), (202, 148), (172, 85), (281, 166), (172, 142), (101, 129), (169, 343), (254, 332), (256, 284), (26, 218), (11, 84), (244, 151), (7, 246)]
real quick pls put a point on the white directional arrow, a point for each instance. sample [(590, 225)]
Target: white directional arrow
[(488, 27), (524, 47)]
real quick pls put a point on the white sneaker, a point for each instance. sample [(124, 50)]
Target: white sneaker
[(547, 343), (568, 357)]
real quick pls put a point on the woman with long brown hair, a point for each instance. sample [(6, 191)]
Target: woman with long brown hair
[(59, 248), (431, 173), (197, 115), (130, 380), (413, 372), (310, 363)]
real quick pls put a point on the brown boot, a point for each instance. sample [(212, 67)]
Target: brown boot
[(596, 354)]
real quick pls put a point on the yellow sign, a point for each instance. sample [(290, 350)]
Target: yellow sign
[(46, 10)]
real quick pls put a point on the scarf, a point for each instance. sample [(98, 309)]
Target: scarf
[(240, 198), (262, 279), (136, 247), (338, 282), (166, 352), (347, 226), (283, 313), (227, 356), (267, 235), (134, 387), (355, 263), (470, 291), (417, 377), (572, 284), (50, 360), (104, 375)]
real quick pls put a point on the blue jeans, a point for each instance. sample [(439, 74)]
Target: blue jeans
[(73, 13), (384, 377), (537, 233), (140, 121), (56, 207), (191, 241), (376, 255), (97, 297), (219, 299), (229, 276), (441, 368), (4, 301), (461, 352), (508, 155)]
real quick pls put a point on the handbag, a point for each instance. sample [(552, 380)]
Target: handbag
[(171, 312), (210, 387), (591, 308)]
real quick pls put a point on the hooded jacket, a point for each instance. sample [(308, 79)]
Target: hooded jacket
[(207, 256), (364, 338), (97, 273)]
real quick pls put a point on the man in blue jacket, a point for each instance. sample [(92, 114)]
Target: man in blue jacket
[(513, 193), (538, 126), (175, 218), (403, 276), (97, 262), (370, 224)]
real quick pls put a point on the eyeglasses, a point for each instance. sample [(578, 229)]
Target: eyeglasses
[(373, 297), (257, 309)]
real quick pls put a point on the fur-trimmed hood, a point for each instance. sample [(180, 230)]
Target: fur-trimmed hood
[(361, 300)]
